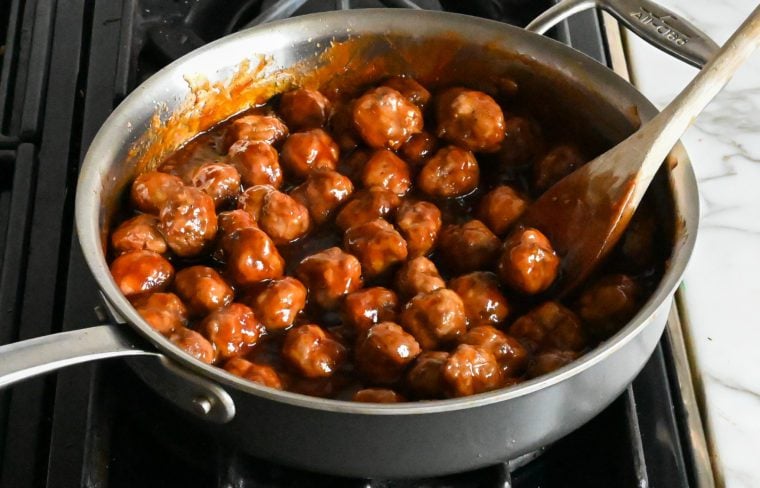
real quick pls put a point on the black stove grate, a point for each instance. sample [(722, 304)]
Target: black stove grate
[(65, 65)]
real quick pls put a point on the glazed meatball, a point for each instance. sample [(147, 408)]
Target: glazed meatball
[(258, 373), (418, 275), (425, 379), (323, 191), (257, 162), (377, 245), (377, 395), (165, 312), (278, 302), (277, 213), (220, 181), (312, 352), (638, 242), (409, 88), (188, 221), (550, 326), (137, 272), (138, 233), (227, 224), (342, 126), (151, 190), (470, 119), (451, 172), (508, 351), (256, 128), (468, 247), (500, 208), (549, 361), (364, 308), (385, 119), (386, 170), (470, 370), (304, 109), (253, 258), (419, 148), (303, 152), (384, 352), (329, 275), (419, 224), (367, 205), (232, 330), (528, 263), (435, 318), (608, 304), (202, 289), (522, 142), (555, 165), (194, 344), (484, 304)]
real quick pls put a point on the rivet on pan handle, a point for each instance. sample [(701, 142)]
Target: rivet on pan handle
[(652, 22)]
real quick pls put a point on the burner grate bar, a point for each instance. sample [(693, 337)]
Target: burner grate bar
[(280, 10)]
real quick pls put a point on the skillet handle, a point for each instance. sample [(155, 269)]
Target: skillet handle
[(652, 22), (26, 359)]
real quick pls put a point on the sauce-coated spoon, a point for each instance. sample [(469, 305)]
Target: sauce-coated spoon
[(585, 213)]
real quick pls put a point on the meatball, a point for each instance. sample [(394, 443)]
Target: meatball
[(256, 128), (608, 304), (500, 208), (409, 88), (377, 395), (202, 289), (418, 275), (151, 190), (137, 272), (385, 119), (329, 275), (528, 263), (138, 233), (277, 213), (522, 142), (227, 224), (470, 370), (278, 302), (508, 351), (188, 221), (451, 172), (193, 343), (165, 312), (220, 181), (258, 373), (353, 164), (550, 326), (555, 165), (549, 361), (386, 170), (303, 152), (377, 245), (342, 126), (637, 246), (419, 148), (425, 379), (323, 191), (232, 330), (484, 304), (304, 109), (468, 247), (382, 355), (435, 318), (419, 224), (253, 258), (470, 119), (312, 352), (367, 205), (257, 162), (364, 308)]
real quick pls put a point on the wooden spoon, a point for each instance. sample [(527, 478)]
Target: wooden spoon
[(585, 213)]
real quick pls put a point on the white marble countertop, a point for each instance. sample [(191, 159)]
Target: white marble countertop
[(721, 288)]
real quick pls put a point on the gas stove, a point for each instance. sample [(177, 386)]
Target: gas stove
[(65, 65)]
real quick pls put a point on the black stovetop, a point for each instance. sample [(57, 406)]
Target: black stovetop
[(65, 65)]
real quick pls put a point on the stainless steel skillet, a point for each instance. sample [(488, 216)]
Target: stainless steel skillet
[(405, 440)]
